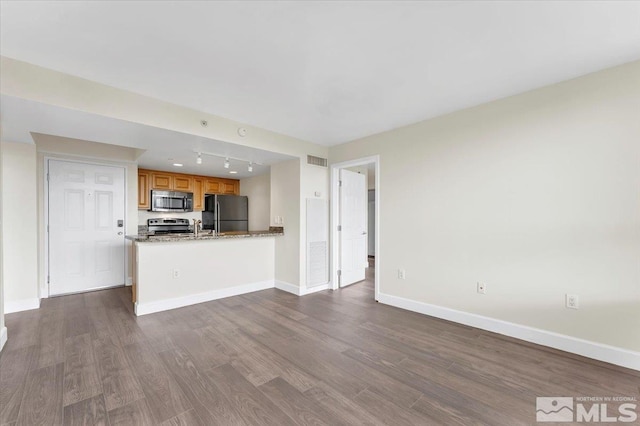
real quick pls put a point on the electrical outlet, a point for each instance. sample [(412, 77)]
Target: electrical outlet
[(176, 273), (482, 288), (402, 274), (572, 301)]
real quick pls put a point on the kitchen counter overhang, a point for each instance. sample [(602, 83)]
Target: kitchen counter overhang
[(201, 237)]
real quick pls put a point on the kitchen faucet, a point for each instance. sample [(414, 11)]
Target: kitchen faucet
[(196, 227)]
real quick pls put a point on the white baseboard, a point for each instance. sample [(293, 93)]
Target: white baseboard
[(21, 305), (315, 289), (289, 288), (179, 302), (298, 291), (589, 349), (3, 337)]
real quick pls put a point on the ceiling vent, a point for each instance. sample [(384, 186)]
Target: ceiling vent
[(317, 161)]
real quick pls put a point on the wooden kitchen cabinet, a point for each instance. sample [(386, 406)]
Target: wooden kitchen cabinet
[(222, 186), (199, 185), (230, 186), (162, 180), (212, 186), (183, 183), (143, 190), (198, 193)]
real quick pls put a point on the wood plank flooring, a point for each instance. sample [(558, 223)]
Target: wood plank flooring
[(272, 358)]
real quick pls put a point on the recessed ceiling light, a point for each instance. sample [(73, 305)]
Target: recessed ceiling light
[(177, 164), (233, 172)]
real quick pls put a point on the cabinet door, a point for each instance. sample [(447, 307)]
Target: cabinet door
[(212, 186), (161, 180), (143, 189), (183, 183), (198, 193), (230, 187)]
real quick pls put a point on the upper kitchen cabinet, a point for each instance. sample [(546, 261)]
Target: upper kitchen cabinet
[(198, 193), (212, 186), (221, 186), (143, 190), (230, 186), (162, 180), (199, 185), (183, 183)]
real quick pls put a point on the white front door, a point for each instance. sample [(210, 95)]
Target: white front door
[(86, 226), (353, 223)]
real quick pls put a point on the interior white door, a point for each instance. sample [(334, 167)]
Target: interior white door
[(86, 226), (353, 223)]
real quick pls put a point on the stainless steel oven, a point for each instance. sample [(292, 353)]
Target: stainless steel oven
[(171, 201)]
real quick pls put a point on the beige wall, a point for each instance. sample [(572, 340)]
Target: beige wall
[(258, 189), (19, 227), (536, 195), (285, 202)]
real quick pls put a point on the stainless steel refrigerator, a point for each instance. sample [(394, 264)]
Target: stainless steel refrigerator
[(226, 213)]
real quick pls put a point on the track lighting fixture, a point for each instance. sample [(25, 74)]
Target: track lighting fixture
[(227, 160)]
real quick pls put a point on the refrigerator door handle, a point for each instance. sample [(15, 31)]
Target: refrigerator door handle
[(217, 216)]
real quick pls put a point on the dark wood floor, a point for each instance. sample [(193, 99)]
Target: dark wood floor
[(273, 358)]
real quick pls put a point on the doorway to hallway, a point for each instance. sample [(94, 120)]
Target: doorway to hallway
[(355, 240)]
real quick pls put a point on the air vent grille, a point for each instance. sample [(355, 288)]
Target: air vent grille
[(317, 161)]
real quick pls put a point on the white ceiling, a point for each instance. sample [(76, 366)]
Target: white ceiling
[(161, 147), (326, 72)]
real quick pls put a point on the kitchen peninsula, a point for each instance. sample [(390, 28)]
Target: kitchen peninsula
[(172, 271)]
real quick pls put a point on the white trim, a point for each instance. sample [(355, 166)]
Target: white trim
[(315, 289), (599, 351), (298, 291), (179, 302), (289, 288), (21, 305), (335, 178), (3, 337)]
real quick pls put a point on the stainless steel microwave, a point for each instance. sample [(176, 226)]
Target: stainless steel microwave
[(171, 201)]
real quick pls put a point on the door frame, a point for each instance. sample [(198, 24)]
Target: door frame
[(44, 286), (335, 215)]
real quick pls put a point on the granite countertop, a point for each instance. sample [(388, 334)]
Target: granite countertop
[(143, 238)]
